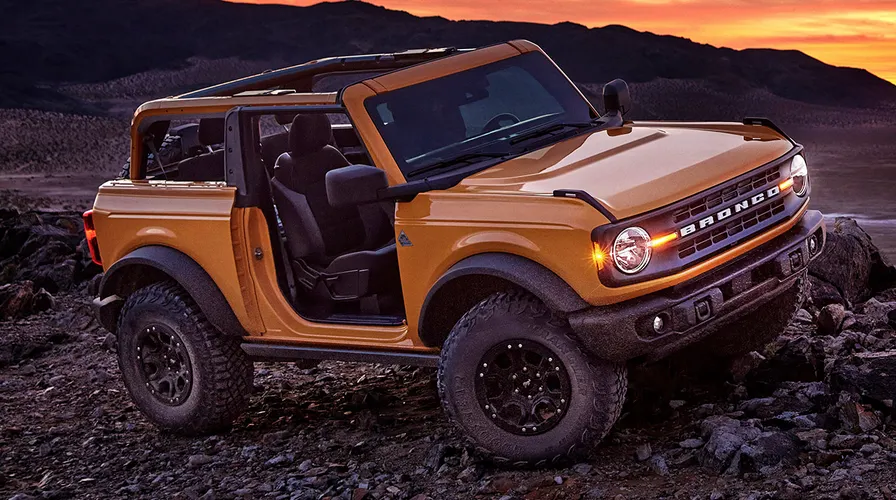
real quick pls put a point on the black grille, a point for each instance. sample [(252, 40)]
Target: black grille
[(730, 229), (727, 194)]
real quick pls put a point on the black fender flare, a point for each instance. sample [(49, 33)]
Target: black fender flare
[(186, 272), (519, 271)]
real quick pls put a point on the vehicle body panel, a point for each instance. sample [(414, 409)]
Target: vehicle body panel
[(630, 170), (190, 217)]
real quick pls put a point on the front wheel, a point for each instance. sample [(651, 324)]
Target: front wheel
[(516, 381), (182, 373)]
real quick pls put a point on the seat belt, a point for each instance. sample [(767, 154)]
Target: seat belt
[(290, 280)]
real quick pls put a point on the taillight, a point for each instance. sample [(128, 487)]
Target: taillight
[(90, 233)]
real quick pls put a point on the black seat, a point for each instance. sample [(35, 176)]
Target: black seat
[(346, 253), (207, 166)]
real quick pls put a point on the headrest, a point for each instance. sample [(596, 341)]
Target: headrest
[(284, 118), (211, 131), (309, 134)]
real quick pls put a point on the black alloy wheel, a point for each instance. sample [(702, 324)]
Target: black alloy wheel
[(523, 386), (164, 364)]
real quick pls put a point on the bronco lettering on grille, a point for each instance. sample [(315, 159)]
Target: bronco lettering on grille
[(728, 212)]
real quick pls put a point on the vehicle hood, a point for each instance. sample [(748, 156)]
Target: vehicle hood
[(637, 168)]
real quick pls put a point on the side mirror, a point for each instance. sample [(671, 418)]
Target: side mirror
[(355, 185), (617, 98)]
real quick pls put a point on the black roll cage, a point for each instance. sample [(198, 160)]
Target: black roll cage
[(301, 77)]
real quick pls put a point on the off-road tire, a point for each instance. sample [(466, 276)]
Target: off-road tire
[(598, 387), (759, 328), (221, 370)]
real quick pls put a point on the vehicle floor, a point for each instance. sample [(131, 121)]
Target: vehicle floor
[(69, 429)]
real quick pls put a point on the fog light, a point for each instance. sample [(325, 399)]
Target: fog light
[(813, 244), (659, 323)]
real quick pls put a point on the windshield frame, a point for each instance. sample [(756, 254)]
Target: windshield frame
[(551, 80)]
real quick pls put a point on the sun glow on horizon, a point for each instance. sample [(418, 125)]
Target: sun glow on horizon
[(854, 33)]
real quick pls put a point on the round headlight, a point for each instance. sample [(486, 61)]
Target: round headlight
[(799, 172), (631, 250)]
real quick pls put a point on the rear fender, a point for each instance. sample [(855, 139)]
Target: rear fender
[(155, 263)]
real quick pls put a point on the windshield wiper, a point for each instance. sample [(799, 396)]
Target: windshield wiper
[(464, 158), (540, 132)]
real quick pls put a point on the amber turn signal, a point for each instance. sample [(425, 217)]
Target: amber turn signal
[(599, 256), (786, 184), (662, 240)]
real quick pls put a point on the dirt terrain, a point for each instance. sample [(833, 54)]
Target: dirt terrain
[(810, 416)]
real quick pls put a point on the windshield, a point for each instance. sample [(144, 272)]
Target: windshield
[(481, 109)]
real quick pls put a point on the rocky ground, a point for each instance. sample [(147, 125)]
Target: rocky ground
[(810, 416)]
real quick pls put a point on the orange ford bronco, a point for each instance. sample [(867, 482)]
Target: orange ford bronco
[(465, 209)]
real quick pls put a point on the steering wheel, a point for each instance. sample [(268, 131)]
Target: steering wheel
[(495, 122)]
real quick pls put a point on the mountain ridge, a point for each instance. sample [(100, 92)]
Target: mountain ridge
[(108, 39)]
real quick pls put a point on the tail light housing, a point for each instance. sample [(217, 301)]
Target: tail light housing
[(90, 234)]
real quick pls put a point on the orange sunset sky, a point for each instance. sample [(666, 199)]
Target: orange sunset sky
[(858, 33)]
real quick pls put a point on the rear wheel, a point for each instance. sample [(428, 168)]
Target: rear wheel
[(182, 373), (516, 381)]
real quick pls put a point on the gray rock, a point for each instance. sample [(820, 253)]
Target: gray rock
[(677, 403), (743, 365), (869, 374), (279, 460), (469, 474), (195, 461), (658, 465), (583, 468), (434, 456), (842, 441), (691, 444), (804, 316), (643, 452), (110, 342), (27, 370), (870, 449), (725, 437), (852, 263), (830, 319)]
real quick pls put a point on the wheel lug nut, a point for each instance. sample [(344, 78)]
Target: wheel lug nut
[(481, 374), (485, 365), (494, 415), (509, 346), (513, 377), (563, 401), (486, 407), (550, 360), (520, 346)]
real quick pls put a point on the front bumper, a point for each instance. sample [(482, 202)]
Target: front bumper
[(696, 309)]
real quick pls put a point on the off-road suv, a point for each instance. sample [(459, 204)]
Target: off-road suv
[(465, 209)]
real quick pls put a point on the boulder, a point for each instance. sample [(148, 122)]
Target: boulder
[(868, 374), (851, 263), (47, 249), (822, 293), (19, 299), (830, 319), (724, 438)]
